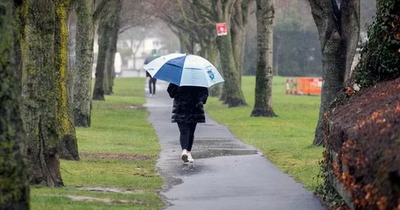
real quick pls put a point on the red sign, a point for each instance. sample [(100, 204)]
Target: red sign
[(221, 29)]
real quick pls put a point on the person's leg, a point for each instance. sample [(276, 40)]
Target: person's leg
[(192, 129), (154, 86), (150, 90), (184, 130)]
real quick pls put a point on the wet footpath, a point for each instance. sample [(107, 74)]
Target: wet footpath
[(226, 174)]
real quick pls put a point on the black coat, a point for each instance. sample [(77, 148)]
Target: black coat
[(188, 104)]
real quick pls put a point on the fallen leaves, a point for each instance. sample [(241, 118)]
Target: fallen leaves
[(382, 203)]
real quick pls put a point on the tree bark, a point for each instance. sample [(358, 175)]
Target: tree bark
[(39, 92), (232, 92), (263, 92), (65, 123), (14, 182), (84, 63), (99, 86), (338, 29), (114, 22), (238, 30), (212, 56), (351, 33), (186, 43)]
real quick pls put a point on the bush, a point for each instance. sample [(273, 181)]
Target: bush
[(363, 146)]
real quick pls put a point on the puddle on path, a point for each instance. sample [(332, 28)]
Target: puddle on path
[(207, 148), (203, 148), (186, 169), (208, 153)]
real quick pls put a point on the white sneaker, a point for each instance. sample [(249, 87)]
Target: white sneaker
[(184, 156), (190, 158)]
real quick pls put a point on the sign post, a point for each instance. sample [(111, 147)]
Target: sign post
[(221, 29)]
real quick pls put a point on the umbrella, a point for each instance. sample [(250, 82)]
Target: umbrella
[(184, 70)]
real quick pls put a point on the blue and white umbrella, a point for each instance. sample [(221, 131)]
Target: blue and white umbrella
[(184, 70)]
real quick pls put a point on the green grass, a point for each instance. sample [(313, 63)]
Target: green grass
[(119, 128), (285, 140)]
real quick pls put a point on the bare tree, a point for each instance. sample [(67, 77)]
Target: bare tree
[(194, 22), (264, 74), (105, 32), (240, 16), (114, 27), (232, 93), (120, 16), (338, 25), (180, 16), (135, 13), (99, 85)]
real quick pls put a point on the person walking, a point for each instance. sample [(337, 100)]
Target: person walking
[(152, 81), (187, 111)]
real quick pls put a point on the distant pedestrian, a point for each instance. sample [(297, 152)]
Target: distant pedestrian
[(152, 81), (187, 111)]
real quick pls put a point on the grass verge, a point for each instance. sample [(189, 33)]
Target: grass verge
[(118, 156), (285, 140)]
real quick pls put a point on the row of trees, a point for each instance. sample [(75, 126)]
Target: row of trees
[(45, 84), (194, 23)]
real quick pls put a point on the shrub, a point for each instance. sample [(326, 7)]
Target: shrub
[(363, 146)]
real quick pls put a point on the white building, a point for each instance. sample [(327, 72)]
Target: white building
[(143, 49)]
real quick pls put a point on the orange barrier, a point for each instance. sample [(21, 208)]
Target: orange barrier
[(304, 86)]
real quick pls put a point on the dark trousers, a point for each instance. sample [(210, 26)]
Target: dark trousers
[(187, 135), (152, 85)]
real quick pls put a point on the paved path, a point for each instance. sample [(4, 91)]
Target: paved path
[(226, 174)]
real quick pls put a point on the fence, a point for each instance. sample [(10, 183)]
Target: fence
[(304, 86)]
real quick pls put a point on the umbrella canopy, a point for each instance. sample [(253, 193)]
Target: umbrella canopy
[(184, 70)]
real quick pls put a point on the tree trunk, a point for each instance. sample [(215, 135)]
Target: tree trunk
[(276, 58), (238, 30), (212, 55), (338, 29), (232, 92), (66, 127), (351, 33), (99, 86), (84, 63), (263, 93), (113, 22), (186, 44), (14, 190), (39, 92), (72, 24)]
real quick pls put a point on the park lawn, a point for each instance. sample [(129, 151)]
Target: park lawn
[(285, 140), (118, 152)]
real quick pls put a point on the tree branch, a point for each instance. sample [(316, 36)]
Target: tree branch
[(101, 9)]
